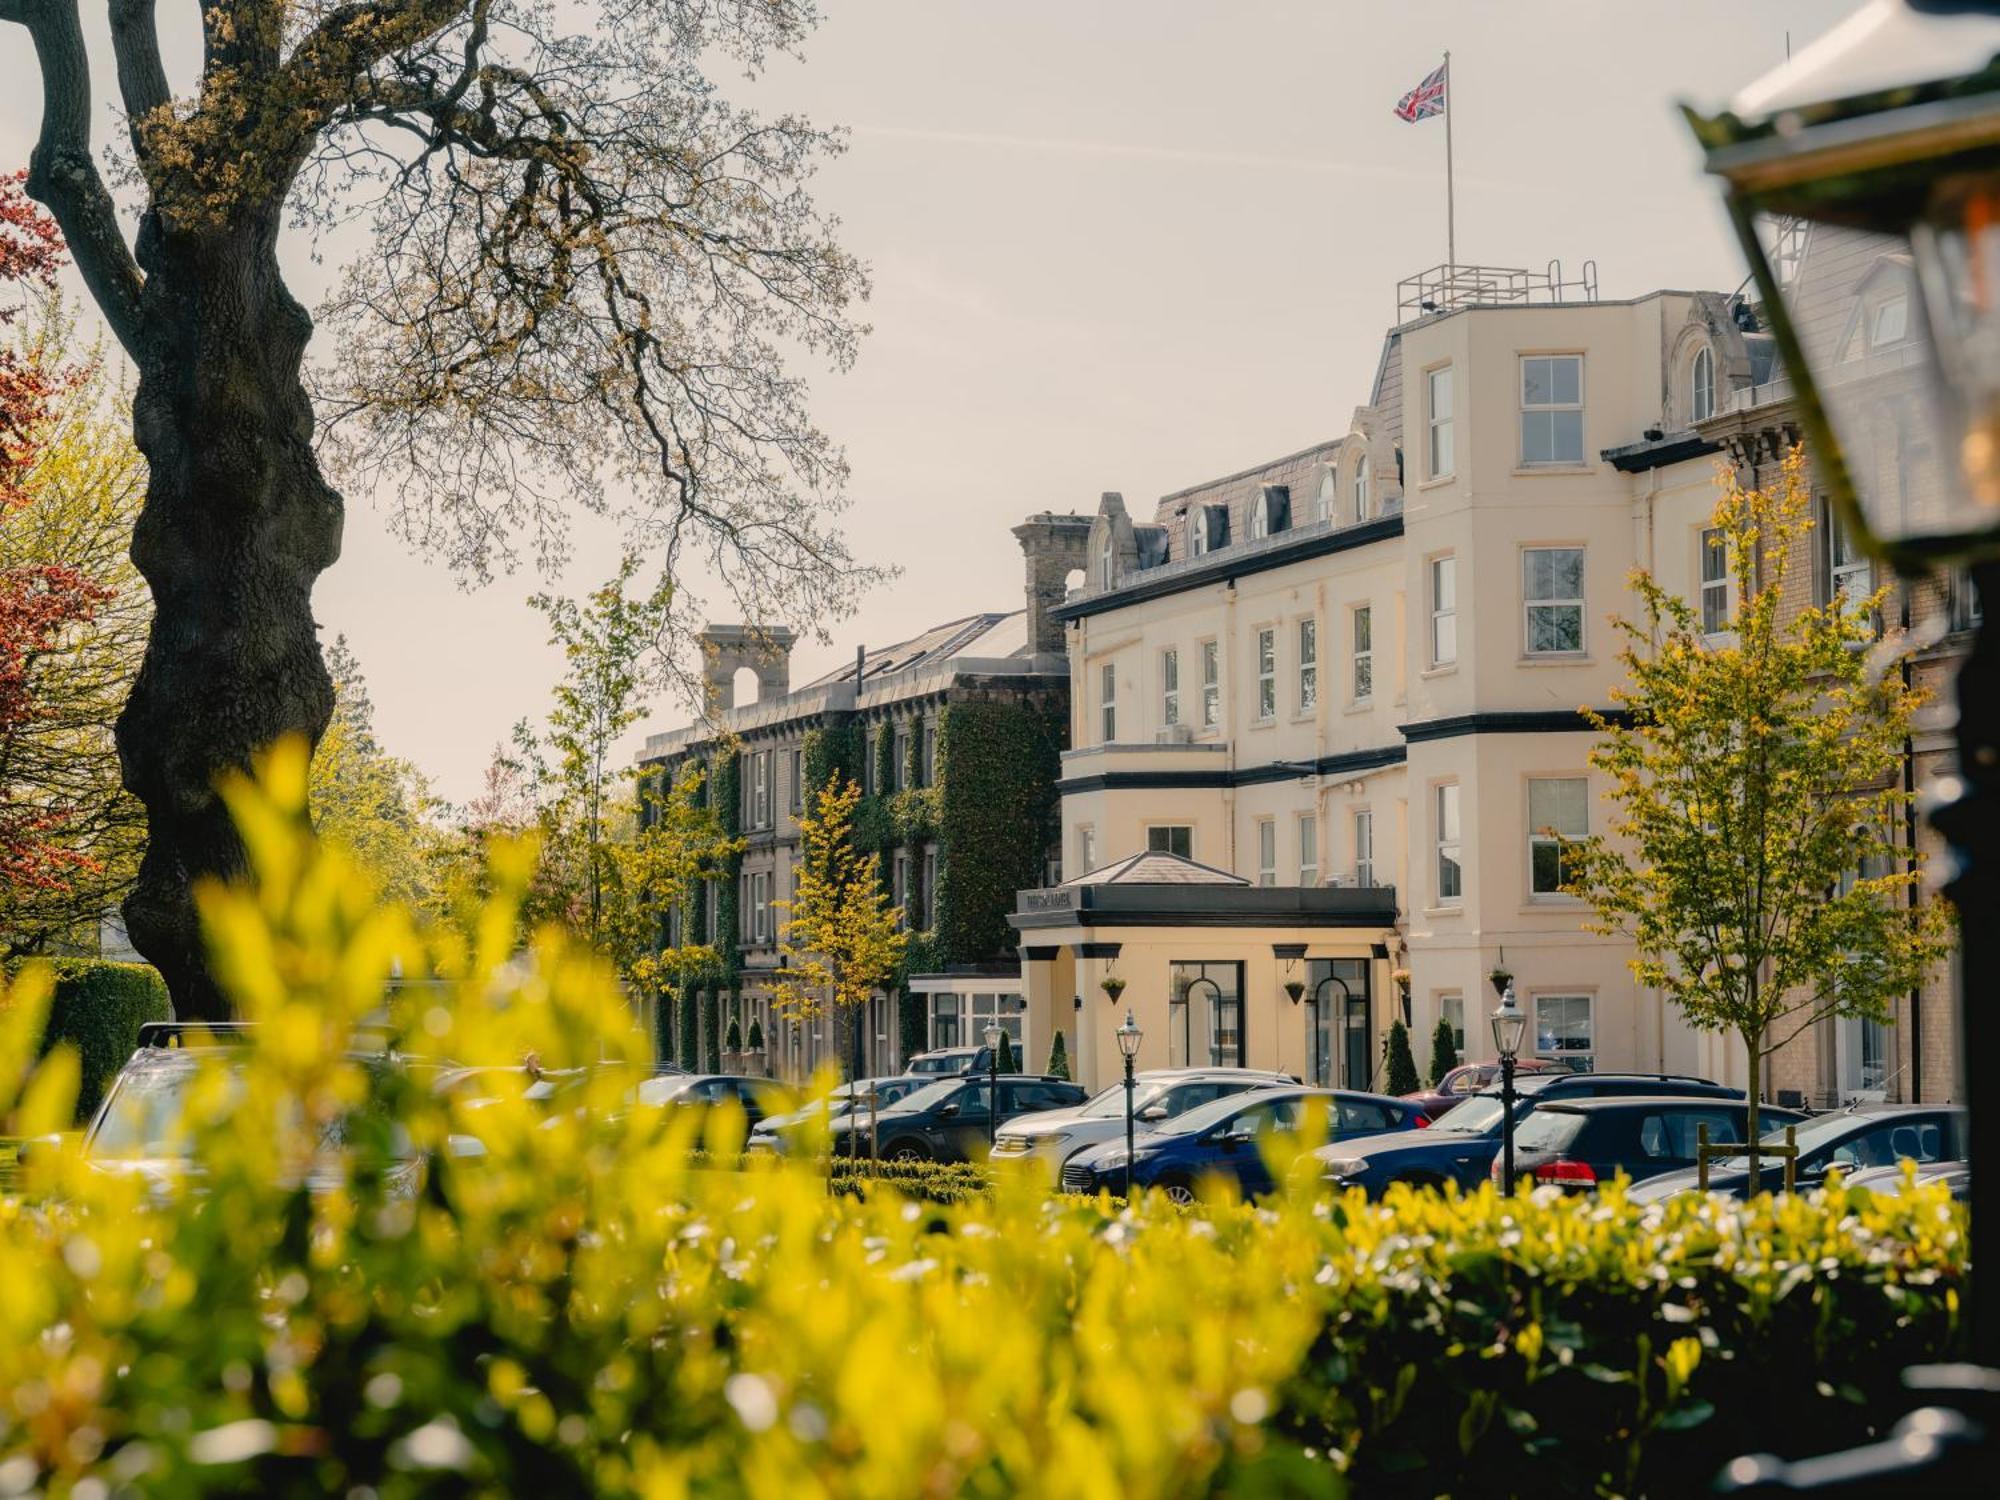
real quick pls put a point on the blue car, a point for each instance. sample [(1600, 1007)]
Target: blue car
[(1460, 1148), (1223, 1139)]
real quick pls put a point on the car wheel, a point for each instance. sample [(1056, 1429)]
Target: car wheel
[(1420, 1181), (1178, 1191), (908, 1151)]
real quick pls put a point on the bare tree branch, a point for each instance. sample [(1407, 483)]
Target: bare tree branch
[(142, 79), (61, 172)]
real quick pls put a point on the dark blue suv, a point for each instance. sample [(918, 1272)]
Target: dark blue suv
[(1460, 1148), (1224, 1138)]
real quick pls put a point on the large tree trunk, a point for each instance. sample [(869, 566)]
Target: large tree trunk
[(238, 524)]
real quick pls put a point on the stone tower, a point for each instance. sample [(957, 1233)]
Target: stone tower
[(1055, 546), (726, 649)]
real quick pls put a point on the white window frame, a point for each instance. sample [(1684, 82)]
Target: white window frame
[(1440, 450), (1308, 664), (1107, 703), (1307, 827), (1211, 682), (1170, 685), (1547, 409), (1364, 846), (1265, 643), (1361, 631), (1107, 561), (1267, 851), (1529, 606), (1545, 1045), (1701, 385), (899, 751), (1326, 503), (1900, 303), (1197, 520), (1451, 1010), (1260, 518), (761, 775), (1086, 848), (1712, 547), (1448, 840), (1844, 563), (1361, 488), (1441, 575), (1540, 836)]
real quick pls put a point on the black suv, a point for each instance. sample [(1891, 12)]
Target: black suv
[(1460, 1148), (1853, 1139), (1578, 1143), (950, 1120)]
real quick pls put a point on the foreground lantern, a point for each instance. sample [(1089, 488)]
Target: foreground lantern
[(1864, 183)]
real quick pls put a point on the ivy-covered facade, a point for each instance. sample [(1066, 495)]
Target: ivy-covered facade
[(955, 738)]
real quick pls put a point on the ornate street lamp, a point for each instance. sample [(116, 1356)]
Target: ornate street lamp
[(1129, 1036), (1509, 1025), (1883, 139), (993, 1035)]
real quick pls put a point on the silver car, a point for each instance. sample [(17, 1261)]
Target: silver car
[(1052, 1136)]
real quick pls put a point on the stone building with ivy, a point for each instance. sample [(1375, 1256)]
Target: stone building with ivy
[(954, 736)]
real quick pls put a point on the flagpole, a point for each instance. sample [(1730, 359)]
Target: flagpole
[(1450, 204)]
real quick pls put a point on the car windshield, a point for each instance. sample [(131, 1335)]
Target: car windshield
[(1110, 1104), (1479, 1115), (146, 1116), (1203, 1116), (929, 1096), (1548, 1130)]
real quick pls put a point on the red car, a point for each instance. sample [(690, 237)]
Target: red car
[(1467, 1079)]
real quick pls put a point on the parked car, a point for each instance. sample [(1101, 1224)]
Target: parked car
[(1460, 1148), (1223, 1139), (951, 1062), (758, 1098), (948, 1119), (1890, 1181), (1467, 1079), (770, 1133), (1852, 1139), (1576, 1144), (141, 1127), (1054, 1135)]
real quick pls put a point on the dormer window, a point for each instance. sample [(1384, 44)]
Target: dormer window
[(1361, 488), (1107, 562), (1701, 385), (1197, 524), (1329, 488), (1260, 518), (1891, 324)]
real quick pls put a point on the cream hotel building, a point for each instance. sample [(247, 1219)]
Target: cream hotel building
[(1325, 710)]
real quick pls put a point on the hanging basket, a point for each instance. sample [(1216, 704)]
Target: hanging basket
[(1112, 986), (1296, 988), (1500, 979)]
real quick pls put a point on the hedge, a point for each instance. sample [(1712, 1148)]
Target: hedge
[(98, 1007), (585, 1308)]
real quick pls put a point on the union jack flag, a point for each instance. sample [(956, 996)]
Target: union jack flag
[(1423, 101)]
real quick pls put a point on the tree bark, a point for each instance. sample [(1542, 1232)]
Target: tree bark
[(1752, 1094), (237, 526)]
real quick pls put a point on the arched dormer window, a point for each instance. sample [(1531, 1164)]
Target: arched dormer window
[(1260, 518), (1197, 526), (1329, 489), (1701, 385), (1107, 561), (1361, 497)]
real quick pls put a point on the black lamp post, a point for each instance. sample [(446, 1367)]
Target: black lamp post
[(1509, 1024), (1129, 1036), (993, 1035)]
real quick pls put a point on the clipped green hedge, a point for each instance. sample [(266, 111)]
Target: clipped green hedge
[(98, 1007)]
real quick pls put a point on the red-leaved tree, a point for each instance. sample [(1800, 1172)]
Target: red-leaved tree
[(38, 603)]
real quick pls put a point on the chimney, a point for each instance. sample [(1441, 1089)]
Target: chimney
[(727, 649), (1054, 546)]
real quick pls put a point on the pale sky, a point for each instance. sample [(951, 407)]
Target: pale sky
[(1117, 245)]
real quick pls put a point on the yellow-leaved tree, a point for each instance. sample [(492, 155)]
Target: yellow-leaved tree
[(843, 938), (1753, 857)]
